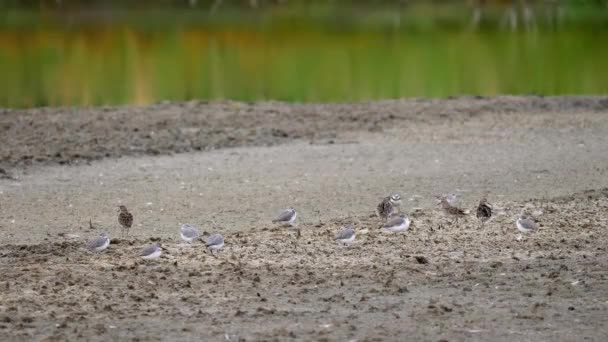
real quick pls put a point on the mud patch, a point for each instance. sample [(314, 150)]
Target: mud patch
[(76, 135), (440, 280)]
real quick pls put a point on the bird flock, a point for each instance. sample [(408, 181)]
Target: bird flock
[(387, 210)]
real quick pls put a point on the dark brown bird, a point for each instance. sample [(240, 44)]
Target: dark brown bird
[(385, 209), (125, 218), (451, 210), (484, 211)]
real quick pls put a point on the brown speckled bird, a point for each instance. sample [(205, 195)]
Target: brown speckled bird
[(125, 218), (484, 211), (385, 209), (388, 206), (451, 210)]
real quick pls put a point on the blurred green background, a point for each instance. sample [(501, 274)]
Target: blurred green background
[(56, 53)]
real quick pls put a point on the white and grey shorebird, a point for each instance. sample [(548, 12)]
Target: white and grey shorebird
[(387, 207), (398, 224), (100, 243), (151, 252), (346, 236), (215, 242), (288, 218), (188, 232), (525, 225)]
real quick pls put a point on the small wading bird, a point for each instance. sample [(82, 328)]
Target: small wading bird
[(450, 210), (125, 219), (346, 236), (484, 211), (188, 232), (387, 207), (451, 198), (214, 243), (525, 225), (288, 218), (397, 224), (100, 243), (151, 252)]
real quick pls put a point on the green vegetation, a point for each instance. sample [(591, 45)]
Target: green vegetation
[(322, 51)]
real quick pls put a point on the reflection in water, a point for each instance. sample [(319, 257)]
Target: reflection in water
[(47, 59)]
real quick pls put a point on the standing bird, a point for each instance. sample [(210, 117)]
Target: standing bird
[(151, 252), (346, 236), (484, 211), (451, 210), (386, 208), (99, 244), (288, 218), (188, 232), (450, 198), (525, 225), (125, 218), (398, 224), (215, 242)]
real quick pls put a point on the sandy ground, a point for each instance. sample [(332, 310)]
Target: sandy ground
[(439, 281)]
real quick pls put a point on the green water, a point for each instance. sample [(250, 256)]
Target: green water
[(297, 53)]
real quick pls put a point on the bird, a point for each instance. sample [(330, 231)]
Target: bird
[(214, 243), (288, 218), (451, 210), (100, 243), (386, 208), (151, 252), (346, 236), (189, 232), (395, 198), (125, 218), (398, 224), (525, 225), (450, 198), (484, 211)]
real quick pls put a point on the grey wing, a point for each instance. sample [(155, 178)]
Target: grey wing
[(394, 222), (189, 231), (285, 216), (345, 234), (148, 250), (215, 239), (97, 243), (528, 224)]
